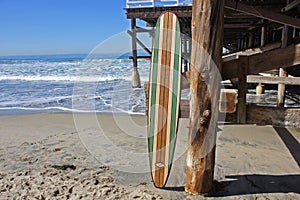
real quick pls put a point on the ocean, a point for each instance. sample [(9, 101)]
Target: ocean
[(70, 83), (87, 83)]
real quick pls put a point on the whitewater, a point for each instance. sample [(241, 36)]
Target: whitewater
[(70, 83)]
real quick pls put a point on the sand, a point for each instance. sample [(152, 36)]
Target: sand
[(87, 156)]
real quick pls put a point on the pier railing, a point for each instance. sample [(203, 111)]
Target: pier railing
[(156, 3)]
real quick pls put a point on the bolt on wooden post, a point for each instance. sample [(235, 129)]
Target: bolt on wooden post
[(207, 36)]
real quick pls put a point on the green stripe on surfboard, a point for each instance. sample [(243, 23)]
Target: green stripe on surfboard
[(174, 96), (153, 88), (175, 93)]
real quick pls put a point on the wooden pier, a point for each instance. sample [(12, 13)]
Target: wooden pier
[(263, 33), (259, 37)]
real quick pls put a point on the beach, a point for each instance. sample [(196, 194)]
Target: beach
[(104, 156)]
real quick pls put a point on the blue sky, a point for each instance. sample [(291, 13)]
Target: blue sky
[(37, 27)]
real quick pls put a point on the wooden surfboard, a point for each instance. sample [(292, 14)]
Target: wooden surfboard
[(164, 97)]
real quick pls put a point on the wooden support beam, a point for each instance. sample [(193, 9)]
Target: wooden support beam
[(139, 42), (258, 63), (150, 13), (260, 115), (136, 82), (282, 72), (263, 39), (239, 25), (242, 89), (263, 36), (262, 13), (285, 36), (251, 51), (251, 40), (250, 79), (143, 30), (275, 116), (281, 89), (290, 6), (141, 57), (294, 32), (286, 57), (206, 61), (133, 39), (273, 80)]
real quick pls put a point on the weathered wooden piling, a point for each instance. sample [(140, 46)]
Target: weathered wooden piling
[(242, 89), (282, 71), (136, 83), (207, 36)]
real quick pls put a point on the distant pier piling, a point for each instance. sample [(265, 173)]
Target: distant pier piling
[(282, 71), (136, 82)]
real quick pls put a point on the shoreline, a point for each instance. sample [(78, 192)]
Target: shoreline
[(33, 111), (48, 156)]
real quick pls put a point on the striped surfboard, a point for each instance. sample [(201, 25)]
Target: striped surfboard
[(164, 97)]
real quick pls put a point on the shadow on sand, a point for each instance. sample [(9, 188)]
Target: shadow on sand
[(251, 184), (290, 142), (257, 184)]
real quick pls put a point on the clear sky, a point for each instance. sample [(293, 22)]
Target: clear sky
[(37, 27)]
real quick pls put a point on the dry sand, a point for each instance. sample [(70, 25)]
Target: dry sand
[(51, 156)]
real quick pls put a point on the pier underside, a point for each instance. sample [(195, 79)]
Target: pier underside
[(243, 21), (264, 35)]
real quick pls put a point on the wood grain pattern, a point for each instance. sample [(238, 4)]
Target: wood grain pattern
[(206, 62), (164, 97)]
